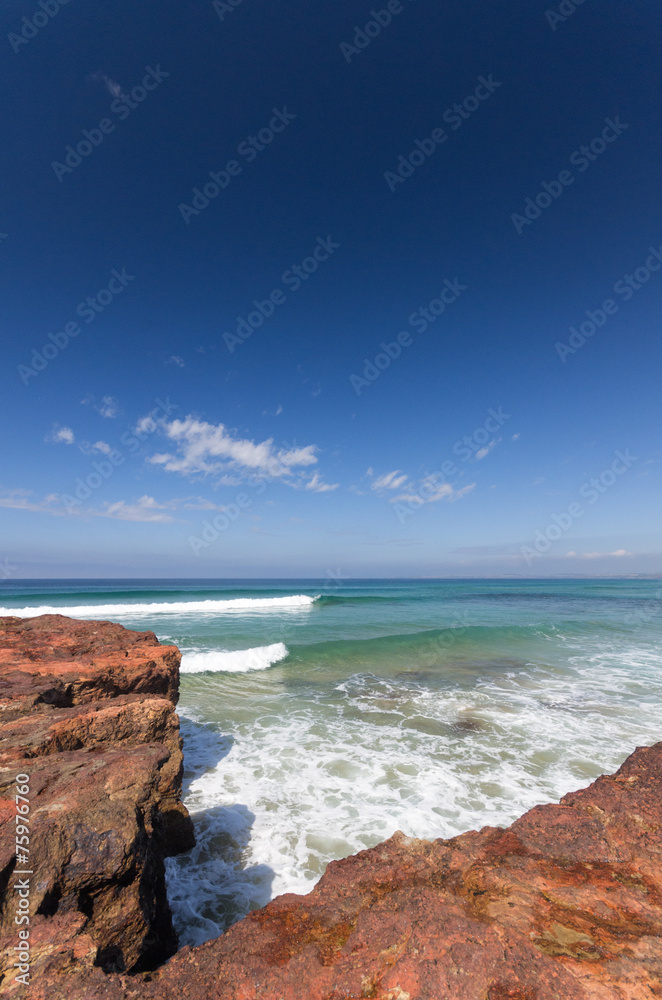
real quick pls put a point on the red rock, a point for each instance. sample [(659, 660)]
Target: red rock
[(54, 660), (566, 904), (87, 710)]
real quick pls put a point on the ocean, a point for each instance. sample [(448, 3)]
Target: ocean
[(320, 716)]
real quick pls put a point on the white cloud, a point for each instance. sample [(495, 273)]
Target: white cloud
[(211, 448), (102, 447), (597, 555), (112, 87), (63, 435), (147, 425), (108, 407), (145, 509), (430, 491), (515, 437), (19, 500), (389, 481), (318, 486), (487, 449), (174, 359)]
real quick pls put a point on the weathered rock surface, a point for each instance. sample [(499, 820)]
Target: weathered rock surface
[(566, 904), (87, 710)]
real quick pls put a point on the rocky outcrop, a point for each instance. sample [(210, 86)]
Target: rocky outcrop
[(87, 711), (565, 904)]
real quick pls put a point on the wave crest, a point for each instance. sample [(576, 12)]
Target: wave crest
[(174, 607), (235, 661)]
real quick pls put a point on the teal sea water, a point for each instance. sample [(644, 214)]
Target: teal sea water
[(321, 716)]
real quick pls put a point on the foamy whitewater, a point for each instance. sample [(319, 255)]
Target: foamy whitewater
[(318, 718)]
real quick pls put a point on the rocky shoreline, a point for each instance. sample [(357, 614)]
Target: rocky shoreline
[(565, 904)]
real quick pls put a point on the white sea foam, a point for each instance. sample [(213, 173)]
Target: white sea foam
[(235, 661), (240, 604), (306, 782)]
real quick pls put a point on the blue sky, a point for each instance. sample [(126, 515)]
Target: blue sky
[(303, 300)]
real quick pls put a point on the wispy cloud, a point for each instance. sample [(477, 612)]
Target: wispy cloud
[(20, 500), (487, 449), (145, 509), (597, 555), (109, 407), (113, 88), (317, 486), (429, 491), (389, 481), (174, 359)]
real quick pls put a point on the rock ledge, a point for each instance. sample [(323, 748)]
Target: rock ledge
[(87, 710)]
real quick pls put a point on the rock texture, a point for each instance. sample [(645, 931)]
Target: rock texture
[(87, 710), (565, 904)]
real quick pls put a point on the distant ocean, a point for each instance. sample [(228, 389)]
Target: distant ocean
[(318, 718)]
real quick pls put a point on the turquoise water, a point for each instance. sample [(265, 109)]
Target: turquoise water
[(321, 716)]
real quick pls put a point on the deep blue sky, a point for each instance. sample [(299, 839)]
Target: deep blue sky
[(324, 477)]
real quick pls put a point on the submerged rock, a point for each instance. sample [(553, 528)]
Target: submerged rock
[(565, 904)]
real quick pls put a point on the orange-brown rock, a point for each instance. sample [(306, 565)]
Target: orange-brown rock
[(566, 904), (54, 660), (87, 711)]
